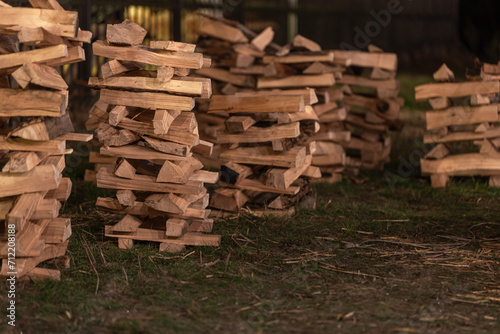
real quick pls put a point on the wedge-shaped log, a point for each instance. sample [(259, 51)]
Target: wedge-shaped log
[(176, 227), (128, 224), (167, 203), (126, 33), (256, 104), (143, 55), (228, 199), (39, 74), (23, 209)]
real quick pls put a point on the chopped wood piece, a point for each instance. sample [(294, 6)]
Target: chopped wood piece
[(125, 243), (264, 155), (302, 42), (143, 55), (440, 103), (260, 135), (41, 178), (115, 67), (237, 124), (387, 61), (32, 103), (174, 86), (125, 197), (61, 23), (456, 89), (125, 170), (46, 4), (125, 33), (47, 209), (117, 114), (188, 239), (176, 227), (41, 75), (226, 76), (181, 72), (171, 248), (204, 148), (222, 31), (479, 100), (146, 100), (165, 73), (444, 74), (439, 180), (320, 80), (461, 115), (163, 119), (139, 152), (438, 152), (256, 104), (262, 40), (44, 129), (172, 46), (462, 165), (168, 147), (23, 209), (57, 231), (228, 199), (167, 203), (128, 224), (283, 178), (22, 162), (62, 192)]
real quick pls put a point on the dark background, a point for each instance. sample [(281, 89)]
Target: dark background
[(424, 34)]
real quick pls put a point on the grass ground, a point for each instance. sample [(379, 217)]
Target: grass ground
[(389, 256)]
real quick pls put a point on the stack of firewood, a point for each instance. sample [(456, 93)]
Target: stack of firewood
[(371, 96), (462, 113), (34, 128), (263, 124), (144, 120)]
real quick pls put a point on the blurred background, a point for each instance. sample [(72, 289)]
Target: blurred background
[(423, 33)]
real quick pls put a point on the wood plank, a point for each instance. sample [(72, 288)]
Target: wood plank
[(456, 89), (188, 239), (139, 152), (264, 155), (172, 46), (309, 94), (146, 56), (41, 178), (174, 86), (283, 178), (61, 23), (38, 103), (256, 104), (387, 61), (296, 59), (469, 164), (226, 76), (461, 115), (19, 144), (260, 135), (146, 100), (209, 27), (145, 183), (430, 138), (320, 80)]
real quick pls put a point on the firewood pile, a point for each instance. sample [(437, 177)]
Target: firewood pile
[(149, 134), (34, 128), (464, 118), (262, 117), (370, 94)]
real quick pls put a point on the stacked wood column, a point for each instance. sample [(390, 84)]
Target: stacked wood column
[(263, 124), (144, 119), (463, 113), (371, 96), (34, 128)]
